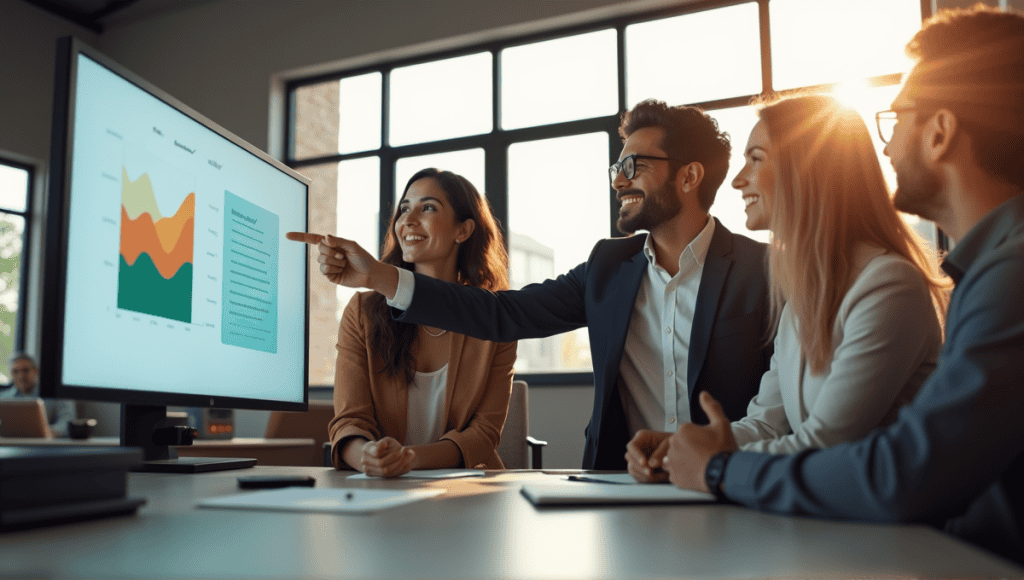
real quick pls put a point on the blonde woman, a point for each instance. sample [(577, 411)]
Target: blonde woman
[(854, 297)]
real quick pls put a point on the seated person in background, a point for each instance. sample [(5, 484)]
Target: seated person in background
[(670, 313), (854, 296), (25, 376), (955, 454), (415, 397)]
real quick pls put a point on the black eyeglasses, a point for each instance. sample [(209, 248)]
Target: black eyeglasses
[(886, 121), (627, 165)]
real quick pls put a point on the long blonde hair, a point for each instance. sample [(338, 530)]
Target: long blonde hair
[(830, 195)]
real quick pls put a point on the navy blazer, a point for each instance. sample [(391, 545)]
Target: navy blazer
[(729, 348)]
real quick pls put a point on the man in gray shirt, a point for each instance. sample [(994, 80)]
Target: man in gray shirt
[(955, 455)]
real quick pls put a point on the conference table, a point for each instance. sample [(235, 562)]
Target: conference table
[(480, 527)]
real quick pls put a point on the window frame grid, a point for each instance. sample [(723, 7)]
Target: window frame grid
[(26, 248), (496, 142)]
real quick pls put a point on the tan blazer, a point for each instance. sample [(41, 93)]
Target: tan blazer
[(374, 405)]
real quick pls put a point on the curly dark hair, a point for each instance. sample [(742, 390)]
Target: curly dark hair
[(481, 261), (690, 134), (971, 61)]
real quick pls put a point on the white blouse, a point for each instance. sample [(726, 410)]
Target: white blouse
[(425, 423)]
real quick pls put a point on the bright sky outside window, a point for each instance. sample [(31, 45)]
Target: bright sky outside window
[(13, 188), (825, 41), (558, 209), (468, 163), (559, 80), (441, 100), (694, 58), (358, 202), (359, 109)]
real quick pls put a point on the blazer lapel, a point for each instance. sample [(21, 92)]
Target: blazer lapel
[(631, 273), (454, 359), (716, 269)]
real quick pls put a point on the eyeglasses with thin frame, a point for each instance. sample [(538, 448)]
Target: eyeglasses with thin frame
[(886, 122), (627, 165)]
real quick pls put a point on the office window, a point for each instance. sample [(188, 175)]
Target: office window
[(441, 99), (826, 41), (659, 61), (15, 192), (468, 163), (559, 80), (558, 207), (537, 138)]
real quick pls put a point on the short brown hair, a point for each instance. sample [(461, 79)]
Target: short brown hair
[(971, 61), (690, 135)]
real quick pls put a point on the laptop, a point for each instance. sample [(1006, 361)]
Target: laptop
[(23, 418)]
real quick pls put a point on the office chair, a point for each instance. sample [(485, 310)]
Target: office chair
[(516, 443), (311, 424)]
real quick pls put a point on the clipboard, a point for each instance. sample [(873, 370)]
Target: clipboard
[(586, 493)]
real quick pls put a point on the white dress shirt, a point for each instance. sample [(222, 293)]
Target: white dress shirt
[(654, 362)]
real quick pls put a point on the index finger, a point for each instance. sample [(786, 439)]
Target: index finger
[(305, 237)]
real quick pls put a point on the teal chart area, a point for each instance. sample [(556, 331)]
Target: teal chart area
[(249, 298)]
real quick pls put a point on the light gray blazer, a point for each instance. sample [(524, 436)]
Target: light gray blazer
[(886, 342)]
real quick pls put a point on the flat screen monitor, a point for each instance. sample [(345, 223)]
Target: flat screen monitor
[(168, 280)]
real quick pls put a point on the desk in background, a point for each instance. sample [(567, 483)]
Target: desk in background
[(481, 528), (266, 452)]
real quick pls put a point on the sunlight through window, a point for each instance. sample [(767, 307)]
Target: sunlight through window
[(441, 99)]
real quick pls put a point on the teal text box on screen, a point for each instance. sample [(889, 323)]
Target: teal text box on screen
[(249, 304)]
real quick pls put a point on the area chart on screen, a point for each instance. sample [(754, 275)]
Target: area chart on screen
[(155, 271), (249, 311)]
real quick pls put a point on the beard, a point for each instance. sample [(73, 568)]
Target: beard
[(916, 185), (657, 206)]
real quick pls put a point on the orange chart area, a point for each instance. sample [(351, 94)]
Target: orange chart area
[(168, 242)]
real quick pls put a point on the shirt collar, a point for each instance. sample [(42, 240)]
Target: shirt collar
[(1005, 220), (696, 249)]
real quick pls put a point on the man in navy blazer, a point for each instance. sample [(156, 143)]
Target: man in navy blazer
[(955, 455), (670, 314)]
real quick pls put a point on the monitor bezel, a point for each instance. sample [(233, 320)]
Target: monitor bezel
[(55, 268)]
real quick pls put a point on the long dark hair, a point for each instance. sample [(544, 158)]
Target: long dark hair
[(481, 261)]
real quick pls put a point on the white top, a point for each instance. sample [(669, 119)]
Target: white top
[(886, 341), (654, 362), (425, 416)]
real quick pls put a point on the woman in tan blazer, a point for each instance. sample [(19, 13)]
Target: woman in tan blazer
[(412, 397)]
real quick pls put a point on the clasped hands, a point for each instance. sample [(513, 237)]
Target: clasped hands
[(681, 457), (385, 457)]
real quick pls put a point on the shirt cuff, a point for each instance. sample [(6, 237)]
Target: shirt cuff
[(406, 285)]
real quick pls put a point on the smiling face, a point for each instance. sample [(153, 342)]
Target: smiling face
[(428, 231), (650, 198), (756, 180)]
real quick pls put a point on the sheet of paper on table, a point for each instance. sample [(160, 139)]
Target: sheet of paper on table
[(430, 474), (334, 500)]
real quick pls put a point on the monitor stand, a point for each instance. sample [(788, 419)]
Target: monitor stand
[(146, 426)]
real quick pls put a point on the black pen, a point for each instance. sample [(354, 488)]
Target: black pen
[(591, 480)]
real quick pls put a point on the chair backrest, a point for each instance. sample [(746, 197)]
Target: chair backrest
[(513, 448), (311, 424)]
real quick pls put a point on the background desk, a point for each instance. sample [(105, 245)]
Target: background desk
[(264, 451), (483, 528)]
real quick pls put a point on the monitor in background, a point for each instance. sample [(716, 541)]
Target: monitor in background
[(167, 279)]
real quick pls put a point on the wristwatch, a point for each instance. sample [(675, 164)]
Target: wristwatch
[(714, 473)]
